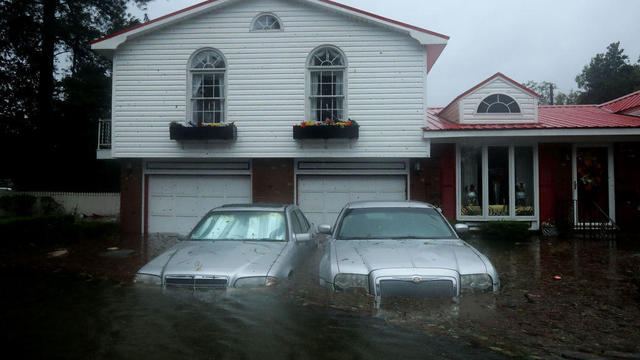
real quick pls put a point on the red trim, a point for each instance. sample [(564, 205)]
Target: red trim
[(146, 205), (333, 3), (498, 74)]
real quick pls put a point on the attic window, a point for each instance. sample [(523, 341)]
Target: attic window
[(498, 104), (266, 22)]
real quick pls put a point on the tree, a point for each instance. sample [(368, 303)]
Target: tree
[(53, 87), (544, 90), (566, 99), (608, 76)]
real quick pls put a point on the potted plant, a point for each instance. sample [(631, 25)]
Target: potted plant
[(327, 129), (202, 131), (548, 228)]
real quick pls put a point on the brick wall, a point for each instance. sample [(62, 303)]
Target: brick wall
[(273, 181), (435, 181), (131, 196), (627, 186)]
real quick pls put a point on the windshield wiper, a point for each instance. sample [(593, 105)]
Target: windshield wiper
[(408, 237)]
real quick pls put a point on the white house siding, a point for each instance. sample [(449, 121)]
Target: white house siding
[(527, 102), (266, 84), (451, 113)]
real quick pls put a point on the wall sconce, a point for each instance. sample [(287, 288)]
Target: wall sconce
[(417, 167)]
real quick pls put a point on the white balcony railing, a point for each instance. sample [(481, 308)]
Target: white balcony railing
[(104, 134)]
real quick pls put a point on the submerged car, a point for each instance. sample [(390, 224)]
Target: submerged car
[(235, 246), (402, 248)]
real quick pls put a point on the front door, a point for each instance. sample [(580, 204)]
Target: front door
[(592, 184)]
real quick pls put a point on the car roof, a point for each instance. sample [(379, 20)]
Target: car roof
[(259, 207), (388, 204)]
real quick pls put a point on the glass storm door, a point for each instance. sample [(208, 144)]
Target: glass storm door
[(591, 186)]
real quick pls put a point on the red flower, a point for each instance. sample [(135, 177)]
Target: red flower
[(587, 187), (598, 180), (304, 124)]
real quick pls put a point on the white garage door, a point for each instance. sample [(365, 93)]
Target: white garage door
[(321, 197), (176, 203)]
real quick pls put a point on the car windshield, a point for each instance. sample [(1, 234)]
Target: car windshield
[(241, 225), (393, 223)]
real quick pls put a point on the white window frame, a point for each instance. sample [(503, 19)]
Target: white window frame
[(497, 113), (485, 184), (308, 92), (189, 90), (255, 19)]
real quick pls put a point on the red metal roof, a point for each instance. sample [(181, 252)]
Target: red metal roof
[(549, 117), (333, 3), (498, 74), (623, 103)]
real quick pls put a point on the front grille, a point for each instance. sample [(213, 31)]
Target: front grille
[(195, 281), (422, 289)]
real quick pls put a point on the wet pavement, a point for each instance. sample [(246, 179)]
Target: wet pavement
[(560, 298)]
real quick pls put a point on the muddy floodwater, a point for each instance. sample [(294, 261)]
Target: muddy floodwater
[(560, 298)]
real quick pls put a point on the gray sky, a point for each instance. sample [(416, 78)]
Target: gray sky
[(542, 40)]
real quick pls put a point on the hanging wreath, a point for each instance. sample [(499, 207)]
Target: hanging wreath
[(590, 173)]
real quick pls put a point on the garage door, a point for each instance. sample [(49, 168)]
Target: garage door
[(176, 203), (322, 197)]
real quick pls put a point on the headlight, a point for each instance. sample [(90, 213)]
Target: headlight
[(148, 279), (476, 282), (346, 281), (256, 281)]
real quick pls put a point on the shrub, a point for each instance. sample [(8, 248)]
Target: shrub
[(18, 205), (505, 230), (49, 206), (49, 230)]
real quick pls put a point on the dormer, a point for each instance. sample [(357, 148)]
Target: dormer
[(497, 100)]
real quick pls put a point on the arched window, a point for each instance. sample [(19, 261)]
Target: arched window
[(266, 22), (498, 104), (206, 69), (327, 68)]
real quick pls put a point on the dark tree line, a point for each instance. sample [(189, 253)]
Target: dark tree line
[(53, 89), (609, 75)]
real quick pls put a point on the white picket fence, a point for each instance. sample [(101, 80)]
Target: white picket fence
[(103, 204)]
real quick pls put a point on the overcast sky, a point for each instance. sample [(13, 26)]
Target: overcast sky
[(541, 40)]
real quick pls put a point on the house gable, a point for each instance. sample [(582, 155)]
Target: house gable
[(266, 84), (433, 41), (519, 103)]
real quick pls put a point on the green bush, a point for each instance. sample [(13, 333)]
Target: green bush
[(505, 230), (58, 229), (18, 205), (49, 206)]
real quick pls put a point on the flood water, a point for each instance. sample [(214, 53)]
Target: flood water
[(70, 318), (557, 296)]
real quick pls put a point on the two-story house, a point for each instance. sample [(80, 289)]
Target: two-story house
[(317, 103), (264, 66)]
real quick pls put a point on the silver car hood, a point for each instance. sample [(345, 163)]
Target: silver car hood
[(224, 258), (364, 256)]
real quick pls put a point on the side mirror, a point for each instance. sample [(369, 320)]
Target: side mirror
[(303, 237), (324, 229), (461, 228)]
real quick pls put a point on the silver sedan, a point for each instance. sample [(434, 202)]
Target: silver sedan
[(402, 248), (235, 246)]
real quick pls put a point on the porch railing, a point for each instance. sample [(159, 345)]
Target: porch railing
[(104, 134), (584, 218)]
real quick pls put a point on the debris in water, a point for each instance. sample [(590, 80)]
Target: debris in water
[(557, 277), (532, 297), (58, 253), (112, 248)]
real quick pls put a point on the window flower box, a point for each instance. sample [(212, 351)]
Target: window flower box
[(326, 130), (217, 131)]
